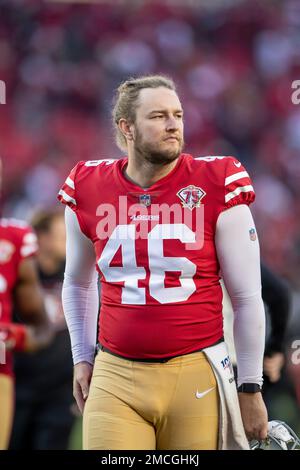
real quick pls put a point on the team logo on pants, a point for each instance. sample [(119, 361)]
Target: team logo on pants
[(191, 196)]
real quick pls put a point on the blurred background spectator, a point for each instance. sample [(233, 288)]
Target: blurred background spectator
[(44, 401), (234, 62)]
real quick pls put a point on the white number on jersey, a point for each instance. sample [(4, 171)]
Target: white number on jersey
[(124, 236), (210, 159), (107, 161)]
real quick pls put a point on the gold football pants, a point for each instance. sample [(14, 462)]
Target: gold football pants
[(136, 405), (6, 409)]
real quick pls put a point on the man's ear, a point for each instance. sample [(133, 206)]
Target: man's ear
[(126, 129)]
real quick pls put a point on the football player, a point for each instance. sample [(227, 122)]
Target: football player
[(43, 415), (19, 286), (160, 225), (276, 294)]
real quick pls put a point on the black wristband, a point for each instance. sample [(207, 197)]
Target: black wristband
[(249, 388)]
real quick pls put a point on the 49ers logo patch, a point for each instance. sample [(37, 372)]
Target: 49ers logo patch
[(6, 251), (191, 196)]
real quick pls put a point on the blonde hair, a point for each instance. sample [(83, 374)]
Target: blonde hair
[(126, 97)]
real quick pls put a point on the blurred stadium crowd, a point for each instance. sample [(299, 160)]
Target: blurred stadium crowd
[(234, 67)]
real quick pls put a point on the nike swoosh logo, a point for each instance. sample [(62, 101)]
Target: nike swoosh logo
[(237, 164), (202, 394)]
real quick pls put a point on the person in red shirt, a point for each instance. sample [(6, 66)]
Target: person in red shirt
[(44, 403), (160, 225), (19, 287)]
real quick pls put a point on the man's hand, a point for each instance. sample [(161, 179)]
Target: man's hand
[(273, 365), (13, 335), (25, 338), (81, 383), (254, 415)]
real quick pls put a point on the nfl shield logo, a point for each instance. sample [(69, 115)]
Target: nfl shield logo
[(145, 199), (191, 196)]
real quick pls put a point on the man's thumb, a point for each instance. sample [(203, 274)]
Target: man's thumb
[(85, 391)]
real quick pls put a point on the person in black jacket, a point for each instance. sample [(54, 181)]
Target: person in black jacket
[(277, 298), (277, 383)]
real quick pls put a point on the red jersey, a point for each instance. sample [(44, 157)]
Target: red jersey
[(17, 242), (155, 250)]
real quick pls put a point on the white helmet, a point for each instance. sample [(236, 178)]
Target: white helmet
[(280, 437)]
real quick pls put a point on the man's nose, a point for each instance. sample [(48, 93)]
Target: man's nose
[(172, 123)]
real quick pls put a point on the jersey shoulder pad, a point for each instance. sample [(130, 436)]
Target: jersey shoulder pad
[(12, 223), (104, 162), (238, 186), (22, 236), (81, 171), (232, 177)]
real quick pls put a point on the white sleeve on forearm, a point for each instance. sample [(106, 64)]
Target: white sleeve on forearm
[(240, 267), (80, 291)]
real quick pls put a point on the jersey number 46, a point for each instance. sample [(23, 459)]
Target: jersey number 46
[(124, 236)]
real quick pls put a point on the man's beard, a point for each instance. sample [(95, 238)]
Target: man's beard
[(153, 154)]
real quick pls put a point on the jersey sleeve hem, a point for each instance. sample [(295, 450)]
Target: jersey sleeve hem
[(238, 187), (67, 193)]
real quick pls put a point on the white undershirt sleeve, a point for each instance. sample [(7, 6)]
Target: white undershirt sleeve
[(239, 260), (80, 291)]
